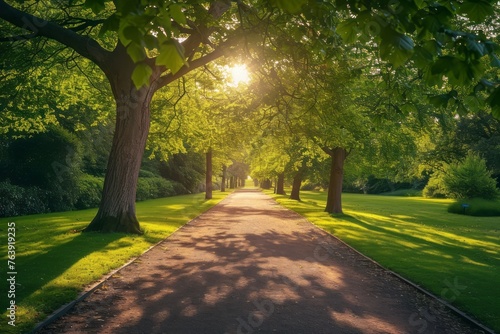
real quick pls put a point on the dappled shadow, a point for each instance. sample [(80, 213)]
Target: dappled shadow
[(35, 271), (249, 265)]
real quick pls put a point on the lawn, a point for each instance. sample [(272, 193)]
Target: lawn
[(454, 256), (54, 262)]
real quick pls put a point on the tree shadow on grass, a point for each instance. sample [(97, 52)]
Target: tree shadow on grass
[(269, 272), (36, 272)]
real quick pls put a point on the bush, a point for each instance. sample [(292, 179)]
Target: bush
[(435, 188), (18, 201), (476, 207), (89, 192), (470, 179), (154, 187)]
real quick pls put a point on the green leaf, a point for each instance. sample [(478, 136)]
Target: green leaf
[(494, 101), (476, 10), (477, 48), (171, 55), (177, 14), (439, 101), (96, 5), (132, 33), (112, 23), (141, 75), (395, 47), (291, 6), (348, 30), (136, 52), (125, 7), (495, 62)]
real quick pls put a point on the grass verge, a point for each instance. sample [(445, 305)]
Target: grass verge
[(456, 257), (54, 263)]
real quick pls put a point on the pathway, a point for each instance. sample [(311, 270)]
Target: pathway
[(249, 265)]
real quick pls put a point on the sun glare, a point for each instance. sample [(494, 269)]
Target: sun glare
[(239, 74)]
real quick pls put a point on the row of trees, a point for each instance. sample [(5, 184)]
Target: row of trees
[(337, 77)]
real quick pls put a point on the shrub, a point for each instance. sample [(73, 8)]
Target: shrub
[(154, 187), (470, 179), (89, 192), (309, 186), (435, 188), (476, 207), (18, 201)]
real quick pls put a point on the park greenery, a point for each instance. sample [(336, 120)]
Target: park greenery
[(106, 103), (390, 91)]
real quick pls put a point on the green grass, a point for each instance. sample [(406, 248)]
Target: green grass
[(420, 240), (404, 192), (54, 263), (476, 207)]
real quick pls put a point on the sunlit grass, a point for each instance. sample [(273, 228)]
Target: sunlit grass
[(420, 240), (54, 262)]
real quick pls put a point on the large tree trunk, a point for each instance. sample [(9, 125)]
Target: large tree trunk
[(280, 185), (334, 200), (117, 209), (297, 183), (223, 181), (231, 182), (208, 175)]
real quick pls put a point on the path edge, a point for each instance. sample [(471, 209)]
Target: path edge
[(100, 282), (390, 272)]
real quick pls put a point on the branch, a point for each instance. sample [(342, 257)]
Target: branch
[(327, 150), (83, 45)]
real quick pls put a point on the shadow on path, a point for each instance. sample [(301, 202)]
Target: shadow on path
[(249, 265)]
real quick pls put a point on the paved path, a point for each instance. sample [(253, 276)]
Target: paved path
[(250, 266)]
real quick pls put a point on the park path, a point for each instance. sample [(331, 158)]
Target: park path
[(249, 265)]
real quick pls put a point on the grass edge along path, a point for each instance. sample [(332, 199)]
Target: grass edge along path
[(455, 257), (54, 262)]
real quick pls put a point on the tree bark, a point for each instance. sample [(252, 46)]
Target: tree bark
[(334, 200), (280, 185), (231, 182), (208, 175), (117, 209), (224, 176), (297, 183)]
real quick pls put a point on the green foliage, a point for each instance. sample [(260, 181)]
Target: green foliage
[(435, 188), (470, 179), (154, 187), (47, 160), (476, 207), (188, 169), (18, 201), (89, 192)]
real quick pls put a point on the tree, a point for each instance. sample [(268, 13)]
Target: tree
[(133, 77), (138, 49), (470, 179)]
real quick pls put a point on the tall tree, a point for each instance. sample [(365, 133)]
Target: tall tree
[(139, 50)]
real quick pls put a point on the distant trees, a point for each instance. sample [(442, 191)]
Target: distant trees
[(141, 47)]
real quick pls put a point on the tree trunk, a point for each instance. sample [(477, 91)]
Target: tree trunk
[(208, 174), (231, 182), (334, 200), (297, 183), (117, 209), (223, 181), (280, 185), (266, 184)]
